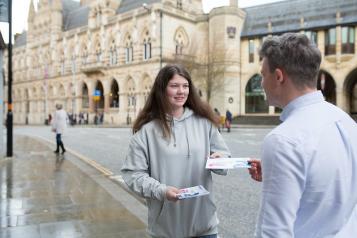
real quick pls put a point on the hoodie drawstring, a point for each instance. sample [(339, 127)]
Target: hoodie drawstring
[(173, 131), (183, 119), (188, 142)]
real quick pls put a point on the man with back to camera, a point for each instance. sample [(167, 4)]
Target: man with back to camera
[(309, 162)]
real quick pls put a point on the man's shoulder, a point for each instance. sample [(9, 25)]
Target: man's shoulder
[(307, 123)]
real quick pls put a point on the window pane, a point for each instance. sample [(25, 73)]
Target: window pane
[(312, 35), (148, 50), (255, 96), (308, 34), (332, 36), (251, 46), (344, 35), (351, 35), (251, 51), (144, 50)]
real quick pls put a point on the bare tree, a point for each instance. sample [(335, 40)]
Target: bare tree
[(209, 75)]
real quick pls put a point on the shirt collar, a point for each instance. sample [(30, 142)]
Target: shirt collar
[(302, 101)]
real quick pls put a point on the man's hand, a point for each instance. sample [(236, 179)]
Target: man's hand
[(256, 170), (171, 193)]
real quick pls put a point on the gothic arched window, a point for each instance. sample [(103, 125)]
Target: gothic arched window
[(129, 57), (147, 46), (113, 54)]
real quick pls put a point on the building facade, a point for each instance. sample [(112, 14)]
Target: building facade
[(102, 56)]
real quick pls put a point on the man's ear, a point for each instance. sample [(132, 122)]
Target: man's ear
[(279, 75)]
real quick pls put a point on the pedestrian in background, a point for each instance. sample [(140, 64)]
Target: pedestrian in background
[(59, 125), (309, 162), (49, 119), (173, 136), (228, 120)]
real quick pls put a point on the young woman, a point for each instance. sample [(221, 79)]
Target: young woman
[(173, 135)]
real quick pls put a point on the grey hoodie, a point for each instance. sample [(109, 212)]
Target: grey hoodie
[(154, 162)]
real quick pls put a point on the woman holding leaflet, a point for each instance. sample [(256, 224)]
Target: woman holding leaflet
[(173, 135)]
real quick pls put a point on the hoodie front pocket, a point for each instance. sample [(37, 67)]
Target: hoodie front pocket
[(162, 226), (161, 212), (204, 218)]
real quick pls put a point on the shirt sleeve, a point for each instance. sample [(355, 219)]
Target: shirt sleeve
[(218, 145), (283, 173), (136, 172)]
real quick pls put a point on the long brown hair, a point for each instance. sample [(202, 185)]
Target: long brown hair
[(157, 105)]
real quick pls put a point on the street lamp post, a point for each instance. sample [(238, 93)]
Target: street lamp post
[(9, 120)]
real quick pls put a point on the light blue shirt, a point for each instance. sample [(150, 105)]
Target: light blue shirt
[(309, 166)]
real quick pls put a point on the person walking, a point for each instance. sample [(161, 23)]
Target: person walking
[(228, 120), (59, 125), (173, 135), (218, 115), (309, 162)]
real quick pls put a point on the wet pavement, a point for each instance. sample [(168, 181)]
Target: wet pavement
[(237, 196), (48, 195)]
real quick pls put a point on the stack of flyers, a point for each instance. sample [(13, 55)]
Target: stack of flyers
[(192, 192), (227, 163)]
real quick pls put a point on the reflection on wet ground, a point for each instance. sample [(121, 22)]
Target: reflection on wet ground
[(45, 195)]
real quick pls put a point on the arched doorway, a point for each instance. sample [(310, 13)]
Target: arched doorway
[(350, 87), (255, 97), (327, 85), (99, 90), (114, 94), (85, 96)]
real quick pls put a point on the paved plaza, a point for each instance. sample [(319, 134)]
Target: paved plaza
[(48, 195), (237, 196)]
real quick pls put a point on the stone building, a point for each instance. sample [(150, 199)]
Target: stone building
[(102, 56)]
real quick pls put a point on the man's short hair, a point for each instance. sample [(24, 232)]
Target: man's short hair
[(294, 54), (58, 106)]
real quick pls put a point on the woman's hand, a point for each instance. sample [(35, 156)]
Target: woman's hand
[(171, 193), (256, 170), (215, 155)]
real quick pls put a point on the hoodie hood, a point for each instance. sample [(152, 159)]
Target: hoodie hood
[(186, 114)]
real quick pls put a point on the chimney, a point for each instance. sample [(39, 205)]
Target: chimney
[(233, 3)]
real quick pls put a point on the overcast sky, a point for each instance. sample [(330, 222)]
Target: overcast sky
[(20, 11)]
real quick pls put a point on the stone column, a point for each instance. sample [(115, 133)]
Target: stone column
[(338, 39), (338, 45), (341, 97), (271, 110), (321, 42), (91, 105), (106, 102)]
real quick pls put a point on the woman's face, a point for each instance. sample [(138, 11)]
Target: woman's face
[(177, 91)]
